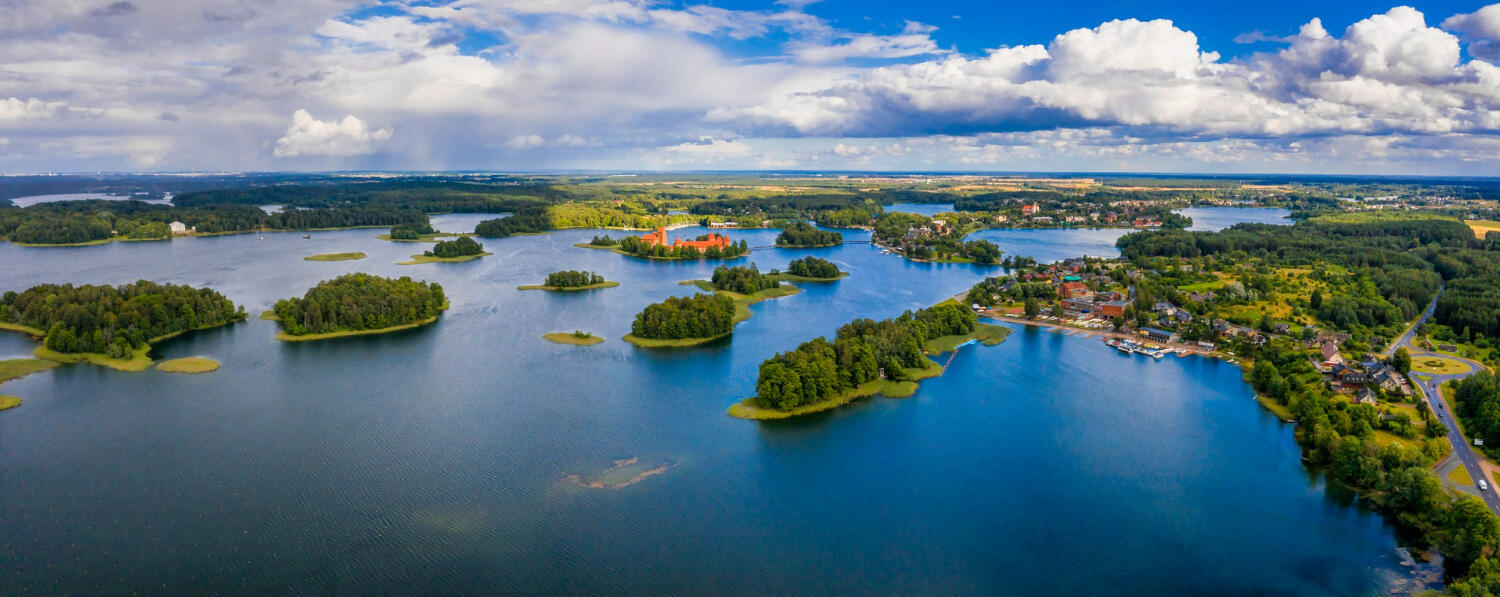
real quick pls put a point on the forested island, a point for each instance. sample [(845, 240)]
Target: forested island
[(570, 280), (811, 269), (357, 304), (865, 358), (462, 248), (683, 321), (411, 232), (112, 325), (635, 247), (800, 234)]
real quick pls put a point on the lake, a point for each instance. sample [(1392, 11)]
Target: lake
[(439, 459)]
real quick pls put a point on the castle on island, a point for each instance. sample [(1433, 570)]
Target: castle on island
[(659, 239)]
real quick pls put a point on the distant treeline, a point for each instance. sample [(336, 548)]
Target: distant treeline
[(113, 320), (95, 220)]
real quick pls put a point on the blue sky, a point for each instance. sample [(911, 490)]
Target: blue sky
[(1296, 87)]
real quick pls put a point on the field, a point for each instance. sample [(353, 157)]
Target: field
[(1437, 365), (1482, 227)]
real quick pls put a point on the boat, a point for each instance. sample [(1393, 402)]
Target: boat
[(307, 236)]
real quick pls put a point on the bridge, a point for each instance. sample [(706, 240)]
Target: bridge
[(847, 242)]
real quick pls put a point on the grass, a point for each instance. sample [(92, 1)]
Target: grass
[(9, 402), (269, 315), (1460, 476), (137, 361), (605, 284), (1202, 286), (18, 368), (746, 409), (335, 257), (419, 259), (742, 302), (188, 365), (1482, 227), (346, 333), (794, 279), (573, 338), (28, 330), (1276, 408), (1437, 365), (82, 244), (986, 334), (673, 343)]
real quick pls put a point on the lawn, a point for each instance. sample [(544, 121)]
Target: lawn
[(188, 365), (1460, 476), (419, 259), (1437, 365)]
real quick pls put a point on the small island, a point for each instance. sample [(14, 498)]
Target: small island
[(359, 304), (572, 281), (335, 257), (810, 269), (865, 358), (802, 235), (575, 337), (16, 369), (461, 249), (411, 233), (188, 365), (113, 326), (683, 321)]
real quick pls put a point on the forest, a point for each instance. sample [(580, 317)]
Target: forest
[(813, 267), (462, 246), (798, 233), (742, 279), (413, 231), (354, 302), (114, 320), (573, 279), (68, 222), (698, 316), (1342, 436), (527, 220), (862, 351)]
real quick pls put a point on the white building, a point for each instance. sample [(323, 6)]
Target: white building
[(178, 228)]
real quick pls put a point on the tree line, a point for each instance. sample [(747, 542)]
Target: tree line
[(462, 246), (698, 316), (67, 222), (798, 233), (813, 267), (353, 302), (862, 351), (113, 320), (573, 279)]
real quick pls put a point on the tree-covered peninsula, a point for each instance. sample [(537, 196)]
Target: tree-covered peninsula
[(683, 321), (112, 325), (570, 280), (865, 358), (800, 234), (355, 304)]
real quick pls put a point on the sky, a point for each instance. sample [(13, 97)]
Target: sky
[(527, 85)]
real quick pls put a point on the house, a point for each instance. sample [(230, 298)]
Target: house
[(722, 225), (1163, 307), (1182, 316), (1027, 210), (1146, 223), (1281, 328), (1114, 308), (1069, 290), (1042, 219), (1365, 396), (941, 226), (1350, 377), (659, 238), (1109, 295), (1331, 356), (179, 229), (1202, 297), (1159, 335), (1075, 219), (1002, 218)]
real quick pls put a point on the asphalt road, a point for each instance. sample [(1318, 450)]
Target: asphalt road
[(1428, 389)]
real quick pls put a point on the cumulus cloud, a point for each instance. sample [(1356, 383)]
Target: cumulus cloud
[(1387, 73), (1481, 29), (310, 136)]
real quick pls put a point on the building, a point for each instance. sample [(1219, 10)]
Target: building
[(1147, 223), (1114, 308), (1365, 396), (1069, 290), (1159, 335), (1027, 210), (1081, 305), (179, 229), (1331, 356), (660, 239)]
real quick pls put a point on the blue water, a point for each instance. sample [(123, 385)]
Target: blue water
[(926, 209), (1219, 218), (436, 460)]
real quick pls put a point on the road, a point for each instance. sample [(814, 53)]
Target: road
[(1428, 389), (1412, 329)]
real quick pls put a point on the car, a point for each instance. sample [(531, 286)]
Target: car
[(1483, 486)]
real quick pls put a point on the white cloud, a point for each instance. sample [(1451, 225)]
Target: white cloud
[(310, 136), (525, 142), (1481, 29)]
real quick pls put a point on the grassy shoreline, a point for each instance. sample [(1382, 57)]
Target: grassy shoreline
[(605, 284), (346, 333), (335, 256), (572, 339), (419, 259), (189, 365), (671, 343)]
